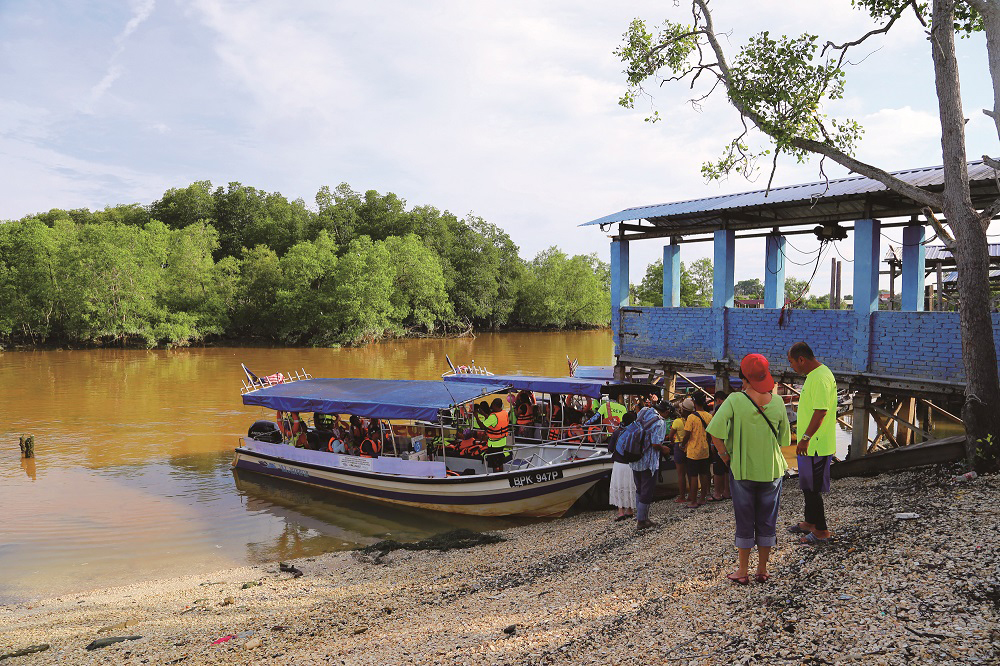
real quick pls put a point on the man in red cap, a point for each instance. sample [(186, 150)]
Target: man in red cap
[(816, 427)]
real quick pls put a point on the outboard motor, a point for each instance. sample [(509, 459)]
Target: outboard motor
[(265, 431)]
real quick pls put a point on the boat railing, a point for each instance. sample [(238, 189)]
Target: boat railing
[(276, 378)]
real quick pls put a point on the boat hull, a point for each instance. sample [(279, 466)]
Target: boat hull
[(539, 492)]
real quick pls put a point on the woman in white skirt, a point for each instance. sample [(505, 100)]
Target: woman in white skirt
[(622, 493)]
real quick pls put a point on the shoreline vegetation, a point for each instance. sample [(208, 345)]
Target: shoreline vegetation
[(583, 589), (207, 263)]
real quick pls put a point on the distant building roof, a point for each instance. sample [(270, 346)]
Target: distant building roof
[(935, 253), (840, 200)]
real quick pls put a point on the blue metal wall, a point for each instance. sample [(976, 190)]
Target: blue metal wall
[(917, 345)]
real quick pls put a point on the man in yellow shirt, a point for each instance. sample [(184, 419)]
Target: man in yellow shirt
[(695, 444), (816, 427)]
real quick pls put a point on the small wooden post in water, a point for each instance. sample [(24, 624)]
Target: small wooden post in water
[(28, 446)]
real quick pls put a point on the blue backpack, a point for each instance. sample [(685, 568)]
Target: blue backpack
[(636, 438)]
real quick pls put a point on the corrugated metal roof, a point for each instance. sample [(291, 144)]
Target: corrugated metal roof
[(934, 253), (837, 199)]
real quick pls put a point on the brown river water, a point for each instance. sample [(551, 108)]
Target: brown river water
[(132, 478)]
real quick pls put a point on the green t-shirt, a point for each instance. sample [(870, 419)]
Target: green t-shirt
[(819, 392), (612, 408), (754, 453)]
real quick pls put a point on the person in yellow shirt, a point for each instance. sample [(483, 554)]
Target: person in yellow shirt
[(696, 458), (674, 437), (817, 440)]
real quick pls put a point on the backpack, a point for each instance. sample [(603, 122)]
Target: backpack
[(630, 442), (636, 438)]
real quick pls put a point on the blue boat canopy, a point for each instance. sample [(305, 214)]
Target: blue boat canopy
[(372, 398), (564, 385)]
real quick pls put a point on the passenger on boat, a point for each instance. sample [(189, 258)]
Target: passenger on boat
[(355, 435), (524, 409), (556, 421), (609, 414), (371, 443), (497, 426)]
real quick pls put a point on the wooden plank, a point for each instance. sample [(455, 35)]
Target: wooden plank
[(933, 452), (901, 422)]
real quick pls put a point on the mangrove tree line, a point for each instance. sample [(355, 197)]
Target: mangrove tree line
[(240, 263)]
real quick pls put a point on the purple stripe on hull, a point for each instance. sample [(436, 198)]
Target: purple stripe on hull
[(495, 498)]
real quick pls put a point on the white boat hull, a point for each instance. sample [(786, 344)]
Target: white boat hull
[(543, 491)]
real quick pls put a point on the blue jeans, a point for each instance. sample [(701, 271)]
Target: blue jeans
[(756, 507), (645, 483)]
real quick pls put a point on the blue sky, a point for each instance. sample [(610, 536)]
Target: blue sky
[(505, 109)]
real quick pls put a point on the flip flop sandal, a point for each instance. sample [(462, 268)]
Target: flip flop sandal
[(691, 506), (618, 519), (762, 578), (813, 540), (739, 580), (795, 529)]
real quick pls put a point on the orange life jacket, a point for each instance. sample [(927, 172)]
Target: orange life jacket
[(370, 448), (575, 430), (501, 429)]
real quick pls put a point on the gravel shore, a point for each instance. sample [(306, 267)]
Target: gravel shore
[(584, 589)]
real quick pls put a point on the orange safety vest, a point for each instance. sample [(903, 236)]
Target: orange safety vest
[(501, 429), (370, 448)]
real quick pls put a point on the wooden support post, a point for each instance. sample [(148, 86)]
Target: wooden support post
[(892, 283), (670, 386), (940, 293), (859, 425), (837, 300), (906, 412), (833, 282)]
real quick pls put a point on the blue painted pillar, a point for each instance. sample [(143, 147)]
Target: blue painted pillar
[(619, 287), (671, 275), (867, 237), (914, 267), (723, 287), (774, 272)]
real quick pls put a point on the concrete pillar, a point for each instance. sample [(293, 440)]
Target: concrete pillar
[(619, 288), (671, 275), (774, 272), (859, 426), (867, 236), (724, 285), (914, 268)]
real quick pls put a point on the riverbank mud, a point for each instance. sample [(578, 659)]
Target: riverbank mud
[(584, 590)]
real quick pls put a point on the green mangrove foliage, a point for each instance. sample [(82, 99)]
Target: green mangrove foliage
[(241, 263)]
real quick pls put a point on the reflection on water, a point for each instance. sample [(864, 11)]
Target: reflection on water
[(132, 476)]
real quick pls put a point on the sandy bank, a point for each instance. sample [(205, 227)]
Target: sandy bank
[(586, 590)]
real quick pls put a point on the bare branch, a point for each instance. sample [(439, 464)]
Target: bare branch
[(770, 179), (939, 229), (878, 31)]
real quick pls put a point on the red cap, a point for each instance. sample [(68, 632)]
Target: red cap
[(757, 372)]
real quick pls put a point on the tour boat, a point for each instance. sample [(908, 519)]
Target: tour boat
[(537, 480)]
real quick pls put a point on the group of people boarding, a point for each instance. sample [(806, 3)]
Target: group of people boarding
[(732, 449)]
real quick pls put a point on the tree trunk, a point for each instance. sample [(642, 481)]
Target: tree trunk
[(981, 412)]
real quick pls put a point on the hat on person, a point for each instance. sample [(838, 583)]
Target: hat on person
[(756, 371), (687, 405)]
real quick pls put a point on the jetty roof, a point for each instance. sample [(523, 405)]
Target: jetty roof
[(838, 200), (370, 398)]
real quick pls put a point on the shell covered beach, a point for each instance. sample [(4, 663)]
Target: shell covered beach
[(583, 589)]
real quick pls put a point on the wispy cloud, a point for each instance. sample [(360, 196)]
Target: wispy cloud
[(141, 10)]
